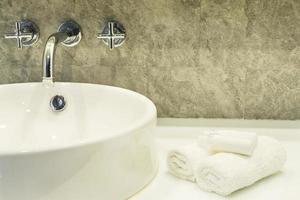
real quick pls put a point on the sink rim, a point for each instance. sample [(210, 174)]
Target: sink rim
[(148, 117)]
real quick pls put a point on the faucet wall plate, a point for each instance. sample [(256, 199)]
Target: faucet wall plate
[(26, 33), (113, 34), (73, 31)]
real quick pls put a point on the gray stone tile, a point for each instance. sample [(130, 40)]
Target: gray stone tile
[(192, 92), (273, 94), (193, 58)]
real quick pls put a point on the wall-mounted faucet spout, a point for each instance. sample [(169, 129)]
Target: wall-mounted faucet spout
[(69, 34), (48, 57)]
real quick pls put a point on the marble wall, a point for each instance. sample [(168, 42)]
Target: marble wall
[(193, 58)]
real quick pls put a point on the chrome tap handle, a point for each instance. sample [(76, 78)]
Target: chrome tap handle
[(26, 33), (113, 34), (17, 35)]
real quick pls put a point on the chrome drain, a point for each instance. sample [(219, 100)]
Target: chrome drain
[(57, 103)]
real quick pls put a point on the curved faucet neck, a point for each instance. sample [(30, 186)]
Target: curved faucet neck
[(49, 52)]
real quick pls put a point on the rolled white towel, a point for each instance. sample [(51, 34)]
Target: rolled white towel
[(183, 160), (228, 141), (224, 173)]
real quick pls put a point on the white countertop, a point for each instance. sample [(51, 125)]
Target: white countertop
[(285, 185)]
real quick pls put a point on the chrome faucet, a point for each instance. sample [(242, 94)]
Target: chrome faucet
[(69, 34)]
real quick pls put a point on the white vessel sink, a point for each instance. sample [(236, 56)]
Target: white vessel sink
[(99, 147)]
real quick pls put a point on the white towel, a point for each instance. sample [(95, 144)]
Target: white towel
[(183, 160), (224, 173), (228, 141)]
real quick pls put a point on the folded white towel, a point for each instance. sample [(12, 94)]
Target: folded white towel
[(183, 160), (224, 173), (228, 141)]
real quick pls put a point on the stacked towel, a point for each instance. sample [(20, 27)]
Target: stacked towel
[(183, 160), (228, 141), (224, 173)]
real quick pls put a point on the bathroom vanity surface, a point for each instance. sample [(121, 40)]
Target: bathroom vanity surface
[(172, 133)]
